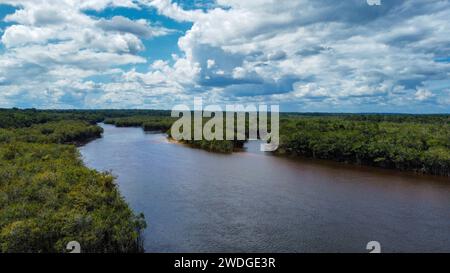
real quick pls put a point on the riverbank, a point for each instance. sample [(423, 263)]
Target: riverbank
[(163, 124), (49, 197), (252, 201), (419, 144)]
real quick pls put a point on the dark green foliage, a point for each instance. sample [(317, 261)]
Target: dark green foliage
[(431, 118), (419, 143), (164, 124), (148, 123), (217, 146), (405, 145), (75, 132), (16, 118), (49, 198)]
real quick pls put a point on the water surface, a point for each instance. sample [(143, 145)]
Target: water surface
[(195, 201)]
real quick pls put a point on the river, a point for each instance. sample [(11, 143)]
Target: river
[(196, 201)]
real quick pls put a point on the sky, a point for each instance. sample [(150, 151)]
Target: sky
[(304, 55)]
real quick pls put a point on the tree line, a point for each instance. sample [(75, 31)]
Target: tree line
[(419, 143)]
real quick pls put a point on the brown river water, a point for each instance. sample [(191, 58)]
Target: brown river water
[(196, 201)]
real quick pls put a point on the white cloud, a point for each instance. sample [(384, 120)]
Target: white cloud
[(20, 35), (210, 63), (140, 28), (303, 53), (295, 51), (173, 10), (52, 48), (423, 94)]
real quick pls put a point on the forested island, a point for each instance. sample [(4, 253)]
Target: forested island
[(164, 123), (48, 197)]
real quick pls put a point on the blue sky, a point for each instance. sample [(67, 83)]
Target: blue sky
[(321, 55)]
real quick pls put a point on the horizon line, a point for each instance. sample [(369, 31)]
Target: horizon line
[(155, 109)]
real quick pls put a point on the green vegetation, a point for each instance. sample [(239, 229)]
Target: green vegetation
[(10, 118), (217, 146), (399, 142), (62, 132), (48, 197), (164, 124), (148, 123), (419, 143)]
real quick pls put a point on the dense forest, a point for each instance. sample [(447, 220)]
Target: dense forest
[(419, 143), (148, 123), (49, 198), (394, 142), (163, 124), (18, 118)]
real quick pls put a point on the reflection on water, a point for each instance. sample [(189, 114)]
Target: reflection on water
[(195, 201)]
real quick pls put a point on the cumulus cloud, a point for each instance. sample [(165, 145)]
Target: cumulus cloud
[(308, 55), (140, 28), (423, 94), (318, 51), (53, 49)]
